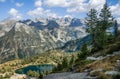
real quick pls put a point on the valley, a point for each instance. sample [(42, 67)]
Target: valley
[(48, 46), (22, 40), (50, 58)]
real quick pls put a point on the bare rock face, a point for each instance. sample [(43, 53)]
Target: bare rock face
[(21, 39)]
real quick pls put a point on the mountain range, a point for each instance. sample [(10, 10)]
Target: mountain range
[(22, 39)]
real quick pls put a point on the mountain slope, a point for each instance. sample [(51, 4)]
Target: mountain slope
[(21, 39), (74, 45)]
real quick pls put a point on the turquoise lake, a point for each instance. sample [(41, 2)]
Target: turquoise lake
[(37, 68)]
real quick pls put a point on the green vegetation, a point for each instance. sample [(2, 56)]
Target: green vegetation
[(84, 52), (72, 60), (7, 75), (103, 43), (51, 57), (97, 26), (1, 77), (65, 63), (33, 73), (117, 76), (62, 65), (91, 22), (116, 32)]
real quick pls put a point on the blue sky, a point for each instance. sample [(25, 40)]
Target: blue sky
[(23, 9)]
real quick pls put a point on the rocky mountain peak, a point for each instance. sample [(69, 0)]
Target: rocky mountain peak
[(20, 39)]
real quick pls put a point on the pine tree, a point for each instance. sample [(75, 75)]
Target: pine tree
[(106, 18), (105, 22), (116, 29), (59, 67), (84, 51), (64, 63), (91, 23), (72, 60)]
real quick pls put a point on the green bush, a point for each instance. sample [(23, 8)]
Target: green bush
[(40, 76), (84, 62), (117, 76), (1, 77), (64, 63), (7, 76), (81, 56), (33, 73), (114, 47)]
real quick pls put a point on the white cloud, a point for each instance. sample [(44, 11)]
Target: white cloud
[(39, 11), (15, 14), (38, 3), (13, 11), (98, 4), (2, 0), (118, 20), (19, 4), (84, 7), (76, 5), (49, 13), (62, 3), (53, 3), (70, 6), (115, 9), (36, 12)]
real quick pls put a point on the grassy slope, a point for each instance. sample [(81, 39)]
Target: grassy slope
[(52, 57), (105, 64)]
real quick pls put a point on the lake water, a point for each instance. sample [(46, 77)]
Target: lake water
[(37, 68)]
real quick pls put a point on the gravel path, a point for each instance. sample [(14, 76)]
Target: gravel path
[(67, 75)]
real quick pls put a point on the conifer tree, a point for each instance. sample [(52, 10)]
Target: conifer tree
[(71, 60), (97, 26), (105, 17), (105, 22), (64, 63), (116, 29), (91, 23), (84, 51)]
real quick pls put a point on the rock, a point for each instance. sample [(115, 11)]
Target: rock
[(94, 58), (117, 66), (91, 58), (112, 72), (87, 70), (68, 75), (100, 58), (21, 39), (116, 53), (18, 76), (95, 72)]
